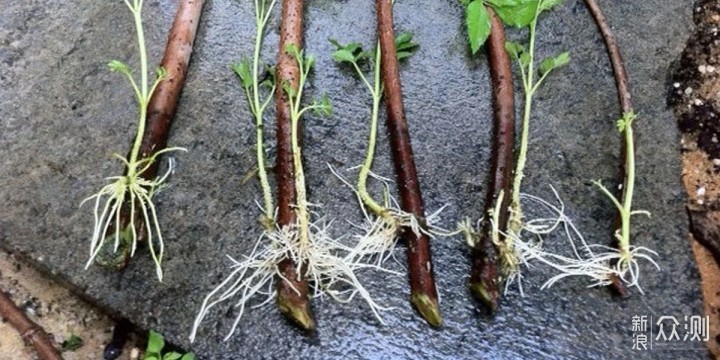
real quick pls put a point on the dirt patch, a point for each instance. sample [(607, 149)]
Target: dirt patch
[(54, 308), (695, 97)]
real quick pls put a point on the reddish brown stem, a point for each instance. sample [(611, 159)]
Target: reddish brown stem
[(164, 102), (292, 288), (30, 332), (625, 100), (423, 294), (483, 278)]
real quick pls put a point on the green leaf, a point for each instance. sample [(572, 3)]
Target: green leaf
[(268, 78), (118, 66), (517, 13), (323, 107), (553, 63), (293, 50), (309, 61), (336, 43), (289, 90), (514, 49), (403, 42), (478, 24), (188, 356), (343, 55), (160, 73), (548, 4), (349, 53), (151, 357), (72, 343), (403, 54), (155, 343), (242, 69), (172, 356), (525, 59), (403, 38), (626, 121), (365, 55)]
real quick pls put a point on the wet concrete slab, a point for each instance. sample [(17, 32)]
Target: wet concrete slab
[(63, 114)]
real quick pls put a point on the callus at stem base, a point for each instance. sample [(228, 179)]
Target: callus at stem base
[(428, 308)]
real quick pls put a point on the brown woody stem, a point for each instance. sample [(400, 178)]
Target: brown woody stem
[(292, 288), (422, 283), (163, 104), (484, 275), (30, 332)]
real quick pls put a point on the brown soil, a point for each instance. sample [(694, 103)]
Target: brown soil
[(695, 97), (57, 310)]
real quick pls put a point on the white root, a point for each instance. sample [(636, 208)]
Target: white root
[(137, 192), (324, 262), (379, 232), (599, 263)]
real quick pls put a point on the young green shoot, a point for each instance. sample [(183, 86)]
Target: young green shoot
[(132, 190), (625, 257), (260, 267), (258, 102)]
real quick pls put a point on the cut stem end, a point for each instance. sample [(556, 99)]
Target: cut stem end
[(298, 313), (487, 294), (428, 309)]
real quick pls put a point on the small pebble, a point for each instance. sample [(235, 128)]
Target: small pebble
[(676, 85), (134, 354), (710, 68), (716, 162), (702, 69), (698, 102), (700, 201), (688, 90), (700, 191)]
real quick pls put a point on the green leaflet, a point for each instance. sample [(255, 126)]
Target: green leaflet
[(404, 46), (242, 69), (548, 4), (477, 20), (517, 13), (553, 63)]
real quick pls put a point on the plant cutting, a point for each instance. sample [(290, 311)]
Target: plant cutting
[(384, 220), (625, 270), (124, 210), (423, 293), (604, 265), (503, 204), (293, 249), (600, 263), (291, 286), (483, 278)]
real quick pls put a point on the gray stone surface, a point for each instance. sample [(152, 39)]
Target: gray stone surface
[(63, 114)]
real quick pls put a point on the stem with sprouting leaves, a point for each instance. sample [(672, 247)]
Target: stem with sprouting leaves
[(250, 79), (531, 78), (136, 188)]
